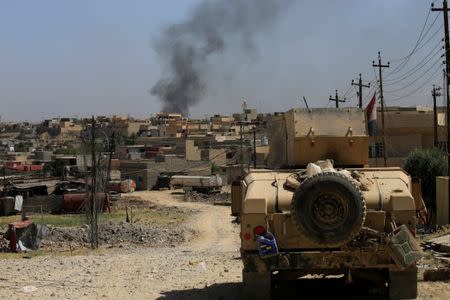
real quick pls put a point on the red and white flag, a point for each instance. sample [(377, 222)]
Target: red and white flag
[(371, 113)]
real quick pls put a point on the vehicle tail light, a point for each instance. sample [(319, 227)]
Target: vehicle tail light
[(259, 230)]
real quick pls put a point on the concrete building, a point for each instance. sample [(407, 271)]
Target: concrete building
[(125, 127), (221, 123), (146, 172), (407, 129), (194, 153)]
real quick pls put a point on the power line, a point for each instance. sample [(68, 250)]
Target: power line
[(347, 91), (369, 95), (417, 67), (421, 86), (417, 42), (422, 35), (417, 79)]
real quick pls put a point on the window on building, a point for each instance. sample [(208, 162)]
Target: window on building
[(376, 150)]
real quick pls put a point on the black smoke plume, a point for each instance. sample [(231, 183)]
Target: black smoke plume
[(212, 28)]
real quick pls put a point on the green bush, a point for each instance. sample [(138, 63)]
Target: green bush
[(214, 168), (426, 165), (68, 151)]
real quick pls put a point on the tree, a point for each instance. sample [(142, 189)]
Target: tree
[(214, 168), (130, 140), (54, 168), (426, 165), (68, 151)]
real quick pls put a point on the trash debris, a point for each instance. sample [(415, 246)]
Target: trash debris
[(24, 236), (441, 243), (18, 202), (216, 199), (201, 267), (436, 275), (29, 289)]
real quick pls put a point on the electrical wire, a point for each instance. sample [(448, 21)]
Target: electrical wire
[(369, 96), (421, 86), (415, 80), (431, 37), (422, 35), (347, 91), (416, 68)]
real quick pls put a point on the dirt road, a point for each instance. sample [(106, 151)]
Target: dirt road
[(211, 257), (206, 267)]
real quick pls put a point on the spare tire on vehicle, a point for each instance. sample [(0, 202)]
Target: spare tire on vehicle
[(329, 209)]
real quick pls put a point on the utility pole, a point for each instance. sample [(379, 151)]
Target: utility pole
[(4, 174), (111, 149), (254, 147), (337, 100), (435, 93), (242, 149), (444, 9), (380, 67), (360, 85), (93, 196)]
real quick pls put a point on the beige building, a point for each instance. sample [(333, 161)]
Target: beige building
[(194, 153), (126, 127), (221, 123), (407, 129), (69, 127)]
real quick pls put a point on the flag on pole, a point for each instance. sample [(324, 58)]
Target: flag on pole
[(371, 113)]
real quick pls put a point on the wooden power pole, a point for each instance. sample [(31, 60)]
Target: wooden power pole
[(242, 149), (380, 67), (444, 9), (435, 93), (93, 196), (360, 86), (337, 100), (254, 148)]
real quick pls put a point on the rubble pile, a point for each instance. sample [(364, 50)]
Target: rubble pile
[(3, 242), (435, 266), (135, 202), (115, 233), (216, 199), (144, 232)]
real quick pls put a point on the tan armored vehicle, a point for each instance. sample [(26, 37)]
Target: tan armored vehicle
[(329, 214)]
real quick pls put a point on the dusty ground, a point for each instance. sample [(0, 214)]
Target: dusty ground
[(206, 267)]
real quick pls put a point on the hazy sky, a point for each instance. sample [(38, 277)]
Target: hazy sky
[(82, 57)]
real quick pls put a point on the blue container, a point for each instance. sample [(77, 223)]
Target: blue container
[(267, 245)]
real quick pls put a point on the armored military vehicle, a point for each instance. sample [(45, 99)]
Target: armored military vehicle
[(329, 214)]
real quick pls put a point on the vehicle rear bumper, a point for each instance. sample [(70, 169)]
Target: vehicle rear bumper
[(317, 260)]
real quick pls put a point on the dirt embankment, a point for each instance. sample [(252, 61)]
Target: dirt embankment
[(117, 233), (131, 222), (215, 199)]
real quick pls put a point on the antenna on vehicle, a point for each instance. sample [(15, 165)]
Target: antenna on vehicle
[(306, 103)]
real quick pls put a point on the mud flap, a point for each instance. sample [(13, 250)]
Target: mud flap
[(257, 285), (403, 247), (403, 284)]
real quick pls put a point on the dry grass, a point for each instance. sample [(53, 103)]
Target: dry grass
[(147, 216)]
